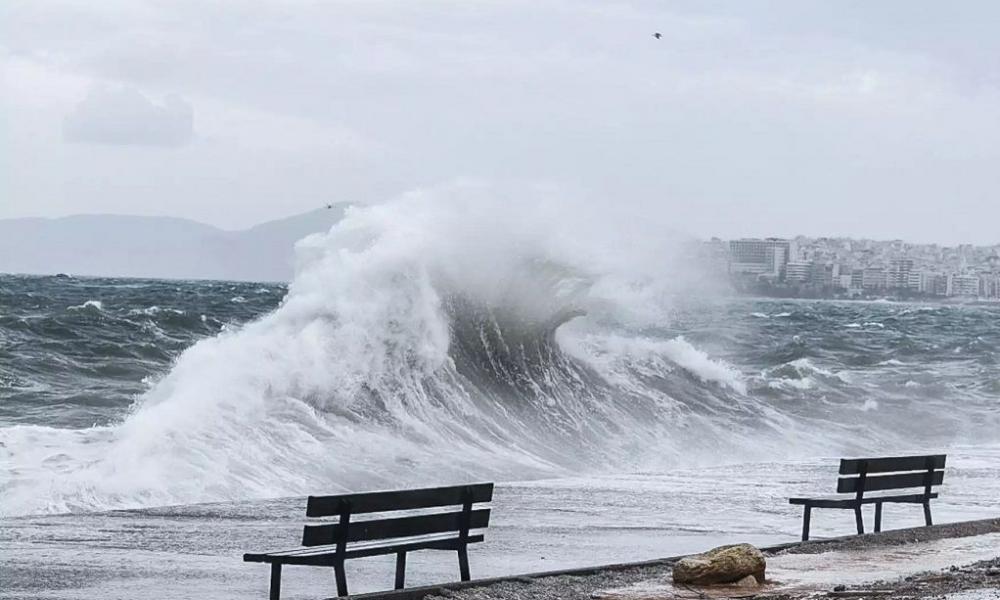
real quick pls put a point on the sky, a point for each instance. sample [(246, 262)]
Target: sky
[(858, 118)]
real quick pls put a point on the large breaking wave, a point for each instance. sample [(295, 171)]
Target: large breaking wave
[(465, 332)]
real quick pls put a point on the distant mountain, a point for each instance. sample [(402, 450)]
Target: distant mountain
[(158, 247)]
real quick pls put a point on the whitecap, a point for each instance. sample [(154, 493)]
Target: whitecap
[(94, 304), (698, 363), (805, 383)]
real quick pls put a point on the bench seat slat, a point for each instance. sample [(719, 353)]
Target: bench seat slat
[(324, 555), (369, 502), (847, 485), (851, 502), (327, 548), (889, 464)]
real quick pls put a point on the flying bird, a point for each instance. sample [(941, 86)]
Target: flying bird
[(657, 35)]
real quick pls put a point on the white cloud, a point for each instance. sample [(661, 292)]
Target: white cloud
[(124, 116)]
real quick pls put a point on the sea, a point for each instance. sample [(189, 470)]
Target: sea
[(152, 431)]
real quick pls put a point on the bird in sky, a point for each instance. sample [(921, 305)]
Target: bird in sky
[(657, 35)]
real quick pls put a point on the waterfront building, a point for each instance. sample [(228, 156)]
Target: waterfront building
[(822, 275), (963, 285), (899, 273), (760, 257), (937, 284), (874, 278), (798, 272), (857, 278), (990, 286)]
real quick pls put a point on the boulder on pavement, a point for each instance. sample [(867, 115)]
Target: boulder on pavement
[(725, 564)]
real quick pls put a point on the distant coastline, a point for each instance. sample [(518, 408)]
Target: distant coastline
[(157, 247)]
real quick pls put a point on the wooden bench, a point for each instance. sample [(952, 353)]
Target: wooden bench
[(330, 544), (880, 475)]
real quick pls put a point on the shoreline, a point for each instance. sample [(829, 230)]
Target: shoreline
[(589, 581)]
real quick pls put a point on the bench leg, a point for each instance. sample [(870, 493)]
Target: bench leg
[(927, 514), (878, 517), (400, 569), (275, 593), (805, 523), (341, 577), (463, 562), (858, 520)]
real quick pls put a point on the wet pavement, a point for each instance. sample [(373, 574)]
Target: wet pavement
[(177, 552)]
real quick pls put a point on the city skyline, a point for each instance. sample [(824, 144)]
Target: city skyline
[(850, 267)]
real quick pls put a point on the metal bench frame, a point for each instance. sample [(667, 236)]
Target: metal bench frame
[(880, 474), (331, 544)]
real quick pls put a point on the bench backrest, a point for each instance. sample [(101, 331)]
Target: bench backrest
[(443, 520), (890, 473)]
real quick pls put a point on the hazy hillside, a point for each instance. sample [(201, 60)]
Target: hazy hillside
[(131, 246)]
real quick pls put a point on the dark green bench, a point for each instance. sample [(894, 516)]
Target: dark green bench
[(886, 474), (331, 544)]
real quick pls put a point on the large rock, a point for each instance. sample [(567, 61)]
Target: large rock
[(725, 564)]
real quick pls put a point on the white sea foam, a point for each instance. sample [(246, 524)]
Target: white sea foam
[(702, 366), (804, 383), (351, 382), (616, 354), (89, 304), (154, 310), (807, 366), (801, 374)]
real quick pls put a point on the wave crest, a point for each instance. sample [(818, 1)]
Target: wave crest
[(446, 335)]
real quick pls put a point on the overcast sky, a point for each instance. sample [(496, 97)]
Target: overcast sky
[(878, 119)]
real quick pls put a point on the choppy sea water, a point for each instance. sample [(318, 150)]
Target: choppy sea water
[(118, 394), (625, 418)]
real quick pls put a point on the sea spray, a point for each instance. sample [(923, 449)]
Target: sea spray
[(455, 333), (416, 342)]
